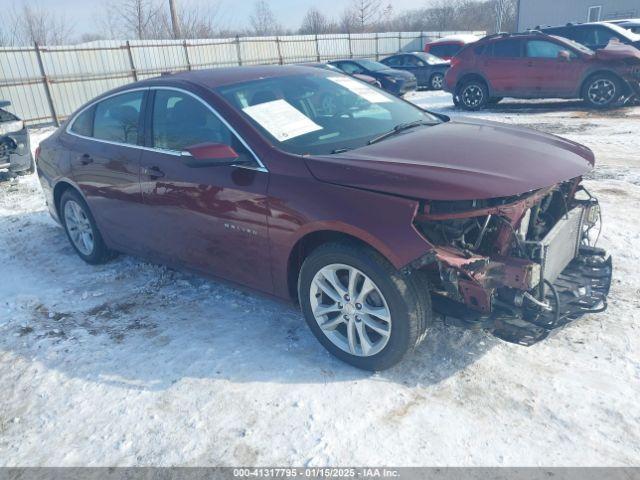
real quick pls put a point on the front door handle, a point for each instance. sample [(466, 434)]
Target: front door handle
[(86, 159), (153, 172)]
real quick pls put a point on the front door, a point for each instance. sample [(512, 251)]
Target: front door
[(105, 163), (213, 218), (551, 74)]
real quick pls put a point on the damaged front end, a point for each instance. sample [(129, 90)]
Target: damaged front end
[(519, 266)]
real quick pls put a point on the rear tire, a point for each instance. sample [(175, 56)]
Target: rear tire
[(81, 228), (436, 82), (370, 327), (473, 95), (601, 90)]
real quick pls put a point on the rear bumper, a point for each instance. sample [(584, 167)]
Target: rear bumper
[(581, 288)]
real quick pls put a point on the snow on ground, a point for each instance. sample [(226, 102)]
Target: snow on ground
[(134, 364)]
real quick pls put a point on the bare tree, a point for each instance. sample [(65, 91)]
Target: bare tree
[(314, 22), (348, 22), (36, 25), (139, 19), (263, 21), (366, 12)]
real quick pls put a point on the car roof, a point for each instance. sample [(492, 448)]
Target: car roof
[(216, 77), (463, 38)]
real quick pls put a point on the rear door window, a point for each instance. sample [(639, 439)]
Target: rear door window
[(507, 48), (83, 124), (117, 119)]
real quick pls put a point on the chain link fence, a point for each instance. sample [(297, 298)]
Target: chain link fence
[(46, 84)]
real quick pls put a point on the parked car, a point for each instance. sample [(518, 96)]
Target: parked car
[(536, 65), (632, 24), (15, 148), (363, 217), (328, 66), (428, 69), (448, 47), (392, 80), (594, 35)]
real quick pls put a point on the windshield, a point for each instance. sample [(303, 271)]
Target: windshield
[(320, 113), (371, 65), (429, 58)]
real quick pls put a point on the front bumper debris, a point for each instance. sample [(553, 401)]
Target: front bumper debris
[(582, 287)]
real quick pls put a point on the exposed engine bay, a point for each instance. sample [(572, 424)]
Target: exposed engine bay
[(518, 266)]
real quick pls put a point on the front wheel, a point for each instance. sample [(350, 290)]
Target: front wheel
[(473, 95), (601, 90), (360, 308), (436, 81), (82, 230)]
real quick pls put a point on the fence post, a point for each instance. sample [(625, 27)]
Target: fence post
[(186, 54), (350, 49), (317, 49), (238, 51), (280, 60), (47, 86), (421, 40), (377, 52), (399, 41), (132, 65)]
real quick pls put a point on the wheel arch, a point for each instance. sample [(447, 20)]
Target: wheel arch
[(602, 71), (473, 76), (59, 188), (310, 241)]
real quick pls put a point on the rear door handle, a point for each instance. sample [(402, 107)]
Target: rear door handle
[(153, 172), (86, 159)]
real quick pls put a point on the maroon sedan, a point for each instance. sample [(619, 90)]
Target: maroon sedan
[(372, 215)]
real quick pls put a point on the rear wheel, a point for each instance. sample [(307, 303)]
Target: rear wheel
[(436, 81), (473, 95), (601, 90), (82, 230), (360, 308)]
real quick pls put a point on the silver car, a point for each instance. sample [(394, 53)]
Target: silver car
[(15, 149)]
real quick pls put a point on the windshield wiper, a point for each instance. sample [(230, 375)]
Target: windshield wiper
[(397, 129)]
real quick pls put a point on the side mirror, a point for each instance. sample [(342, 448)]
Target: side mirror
[(210, 155), (564, 56)]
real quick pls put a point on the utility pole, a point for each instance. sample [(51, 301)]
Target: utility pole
[(174, 19)]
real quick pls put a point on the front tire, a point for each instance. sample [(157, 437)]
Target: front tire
[(360, 308), (473, 95), (82, 230), (601, 90)]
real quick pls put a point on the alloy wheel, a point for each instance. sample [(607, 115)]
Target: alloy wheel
[(79, 227), (602, 91), (437, 81), (350, 310), (472, 96)]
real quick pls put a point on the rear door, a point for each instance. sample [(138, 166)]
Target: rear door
[(506, 68), (214, 218), (104, 144)]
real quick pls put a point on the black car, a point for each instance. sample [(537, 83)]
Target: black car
[(15, 149), (428, 69), (594, 35), (393, 81)]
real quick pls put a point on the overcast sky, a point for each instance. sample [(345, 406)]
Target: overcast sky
[(233, 13)]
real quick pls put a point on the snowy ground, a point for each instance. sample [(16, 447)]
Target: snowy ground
[(134, 364)]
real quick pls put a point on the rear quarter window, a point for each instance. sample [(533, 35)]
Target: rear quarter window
[(83, 124)]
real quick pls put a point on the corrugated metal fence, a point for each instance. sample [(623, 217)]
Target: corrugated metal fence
[(46, 84)]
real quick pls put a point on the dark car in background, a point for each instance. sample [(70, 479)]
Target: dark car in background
[(392, 80), (594, 35), (328, 66), (364, 216), (536, 65), (632, 24), (449, 46), (15, 148), (428, 69)]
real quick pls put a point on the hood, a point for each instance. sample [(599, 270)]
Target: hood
[(457, 160), (618, 51)]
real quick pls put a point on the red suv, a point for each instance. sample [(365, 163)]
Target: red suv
[(536, 65), (448, 47)]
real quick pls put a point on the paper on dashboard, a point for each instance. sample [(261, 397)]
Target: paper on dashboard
[(363, 90), (281, 119)]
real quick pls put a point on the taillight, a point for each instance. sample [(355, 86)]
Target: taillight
[(454, 61)]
